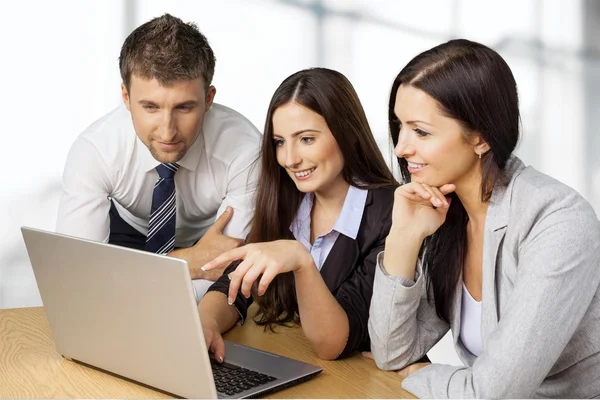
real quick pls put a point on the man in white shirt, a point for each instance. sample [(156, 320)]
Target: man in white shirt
[(155, 173)]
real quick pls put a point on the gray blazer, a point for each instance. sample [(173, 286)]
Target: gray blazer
[(540, 322)]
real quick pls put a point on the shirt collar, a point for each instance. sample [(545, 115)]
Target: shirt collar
[(499, 205), (348, 222), (300, 226)]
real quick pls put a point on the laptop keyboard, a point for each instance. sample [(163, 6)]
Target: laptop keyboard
[(231, 379)]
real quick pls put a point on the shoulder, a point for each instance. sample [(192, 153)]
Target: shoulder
[(228, 135), (536, 192), (377, 216), (106, 138), (382, 198), (541, 206), (111, 126)]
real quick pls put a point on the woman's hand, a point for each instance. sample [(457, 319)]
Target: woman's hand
[(420, 208), (214, 341), (267, 259), (404, 372), (411, 369)]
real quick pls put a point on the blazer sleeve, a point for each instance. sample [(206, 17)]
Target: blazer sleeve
[(354, 295), (557, 278), (222, 285), (403, 324)]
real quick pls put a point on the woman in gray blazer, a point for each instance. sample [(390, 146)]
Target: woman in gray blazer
[(504, 256)]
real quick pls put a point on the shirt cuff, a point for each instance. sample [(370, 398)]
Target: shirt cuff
[(399, 279)]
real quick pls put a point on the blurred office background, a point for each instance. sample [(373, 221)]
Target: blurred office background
[(59, 73)]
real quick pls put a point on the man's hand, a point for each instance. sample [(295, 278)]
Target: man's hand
[(210, 246)]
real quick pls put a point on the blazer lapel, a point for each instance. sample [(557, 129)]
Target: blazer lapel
[(495, 229), (340, 262), (489, 307), (344, 254), (456, 312)]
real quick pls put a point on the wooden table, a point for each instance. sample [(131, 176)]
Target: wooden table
[(30, 367)]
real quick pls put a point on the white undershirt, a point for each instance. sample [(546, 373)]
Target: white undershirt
[(470, 323)]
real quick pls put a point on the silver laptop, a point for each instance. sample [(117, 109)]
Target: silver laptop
[(134, 314)]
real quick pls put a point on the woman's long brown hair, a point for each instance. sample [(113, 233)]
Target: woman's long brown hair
[(331, 95), (474, 86)]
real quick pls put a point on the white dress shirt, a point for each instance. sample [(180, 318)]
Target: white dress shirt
[(108, 161)]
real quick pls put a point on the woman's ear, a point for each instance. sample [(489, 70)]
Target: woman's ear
[(480, 146)]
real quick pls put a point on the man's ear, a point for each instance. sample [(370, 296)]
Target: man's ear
[(210, 97), (125, 96)]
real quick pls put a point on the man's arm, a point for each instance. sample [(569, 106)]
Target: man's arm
[(232, 225), (241, 189), (211, 245), (84, 205)]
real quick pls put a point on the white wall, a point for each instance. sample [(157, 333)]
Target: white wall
[(60, 72)]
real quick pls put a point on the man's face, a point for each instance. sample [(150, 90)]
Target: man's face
[(167, 119)]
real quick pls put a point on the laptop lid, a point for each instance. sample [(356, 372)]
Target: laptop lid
[(122, 310), (134, 314)]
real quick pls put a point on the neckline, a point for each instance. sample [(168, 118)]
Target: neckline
[(465, 290)]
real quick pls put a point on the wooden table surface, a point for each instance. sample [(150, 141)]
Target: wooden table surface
[(30, 367)]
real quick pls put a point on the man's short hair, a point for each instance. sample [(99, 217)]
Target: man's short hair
[(168, 50)]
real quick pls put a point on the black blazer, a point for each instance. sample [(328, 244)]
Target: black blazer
[(349, 269)]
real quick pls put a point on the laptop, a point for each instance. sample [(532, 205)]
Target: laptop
[(133, 314)]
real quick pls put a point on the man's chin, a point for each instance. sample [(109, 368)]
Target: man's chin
[(167, 157)]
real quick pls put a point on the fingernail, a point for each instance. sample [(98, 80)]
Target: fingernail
[(229, 301), (438, 201), (221, 358), (203, 268), (228, 209)]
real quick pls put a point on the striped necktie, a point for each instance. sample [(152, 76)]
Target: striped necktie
[(161, 227)]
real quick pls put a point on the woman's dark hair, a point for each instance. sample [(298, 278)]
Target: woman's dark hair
[(473, 85), (331, 95)]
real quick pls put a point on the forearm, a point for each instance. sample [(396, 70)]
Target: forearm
[(403, 325), (216, 313), (324, 321), (401, 253), (195, 258)]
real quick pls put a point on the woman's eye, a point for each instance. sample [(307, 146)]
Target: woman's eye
[(420, 132), (278, 142), (307, 139)]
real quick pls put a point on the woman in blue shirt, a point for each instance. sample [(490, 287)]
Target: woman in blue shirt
[(323, 210)]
